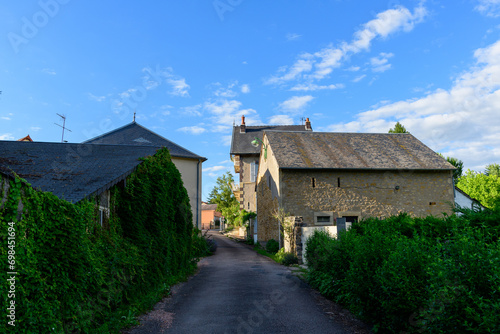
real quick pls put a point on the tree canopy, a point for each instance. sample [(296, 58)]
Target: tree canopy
[(482, 187), (398, 128), (222, 195), (492, 169), (458, 164)]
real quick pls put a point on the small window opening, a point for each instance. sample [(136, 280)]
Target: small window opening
[(432, 203), (323, 219), (313, 181), (338, 182), (248, 205)]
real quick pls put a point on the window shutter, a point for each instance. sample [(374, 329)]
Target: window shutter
[(252, 172)]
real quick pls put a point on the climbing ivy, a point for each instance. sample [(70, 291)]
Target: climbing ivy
[(74, 275)]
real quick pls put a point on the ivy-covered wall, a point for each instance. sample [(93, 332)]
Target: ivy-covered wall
[(72, 275)]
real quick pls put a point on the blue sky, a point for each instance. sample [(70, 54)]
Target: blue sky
[(192, 68)]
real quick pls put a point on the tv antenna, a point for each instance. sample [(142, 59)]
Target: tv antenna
[(302, 120), (64, 128)]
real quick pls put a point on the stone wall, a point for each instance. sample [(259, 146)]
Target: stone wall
[(248, 201), (365, 193), (267, 225)]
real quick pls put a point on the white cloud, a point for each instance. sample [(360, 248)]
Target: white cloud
[(320, 64), (381, 63), (192, 110), (295, 103), (313, 87), (281, 120), (292, 36), (35, 128), (245, 89), (353, 68), (194, 130), (359, 78), (215, 168), (49, 71), (462, 121), (225, 112), (6, 118), (7, 136), (179, 87), (96, 98), (489, 7)]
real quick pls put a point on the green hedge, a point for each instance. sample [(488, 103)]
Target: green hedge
[(76, 276), (414, 275)]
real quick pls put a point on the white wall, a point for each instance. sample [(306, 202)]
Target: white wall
[(191, 177), (462, 200)]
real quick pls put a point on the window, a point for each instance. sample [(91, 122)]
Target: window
[(323, 218), (254, 168), (351, 219), (313, 182)]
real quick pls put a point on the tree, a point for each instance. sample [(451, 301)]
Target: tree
[(222, 195), (398, 128), (492, 169), (484, 188), (458, 164)]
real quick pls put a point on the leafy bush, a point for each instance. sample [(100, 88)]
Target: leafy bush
[(414, 274), (76, 276), (286, 258), (203, 245), (272, 246)]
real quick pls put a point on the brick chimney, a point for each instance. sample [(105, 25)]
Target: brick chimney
[(243, 127), (308, 125)]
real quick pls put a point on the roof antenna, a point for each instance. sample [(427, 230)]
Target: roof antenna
[(134, 116), (302, 119), (63, 127)]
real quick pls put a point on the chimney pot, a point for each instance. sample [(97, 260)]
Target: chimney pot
[(243, 127), (308, 125)]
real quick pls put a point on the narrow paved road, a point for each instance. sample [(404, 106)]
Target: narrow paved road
[(239, 291)]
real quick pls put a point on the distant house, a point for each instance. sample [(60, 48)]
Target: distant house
[(322, 177), (210, 217), (188, 163), (72, 171), (465, 201), (27, 138)]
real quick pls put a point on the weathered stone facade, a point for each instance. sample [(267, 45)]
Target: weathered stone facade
[(352, 193), (248, 199), (364, 194), (267, 225)]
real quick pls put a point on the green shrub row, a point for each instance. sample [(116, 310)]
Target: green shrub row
[(75, 276), (414, 275)]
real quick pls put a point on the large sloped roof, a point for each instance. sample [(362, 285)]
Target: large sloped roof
[(326, 150), (137, 135), (241, 143), (71, 171)]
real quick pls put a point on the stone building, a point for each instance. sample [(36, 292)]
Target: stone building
[(246, 158), (188, 163), (321, 177)]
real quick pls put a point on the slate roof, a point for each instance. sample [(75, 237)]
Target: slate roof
[(137, 135), (241, 143), (209, 207), (71, 171), (327, 150)]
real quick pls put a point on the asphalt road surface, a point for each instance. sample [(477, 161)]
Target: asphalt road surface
[(239, 291)]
